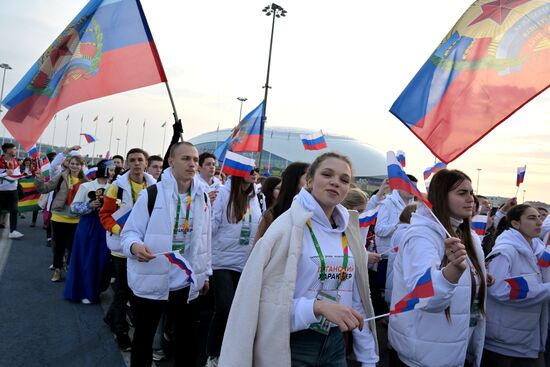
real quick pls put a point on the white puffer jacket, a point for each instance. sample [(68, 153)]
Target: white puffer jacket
[(517, 328), (387, 221), (227, 253), (424, 337), (395, 240), (153, 279)]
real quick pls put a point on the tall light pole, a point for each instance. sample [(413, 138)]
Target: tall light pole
[(523, 201), (277, 12), (5, 67), (477, 184), (242, 99), (117, 142)]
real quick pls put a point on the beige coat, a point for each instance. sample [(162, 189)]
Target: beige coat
[(59, 203), (258, 328)]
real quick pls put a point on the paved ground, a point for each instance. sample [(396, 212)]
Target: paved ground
[(37, 326)]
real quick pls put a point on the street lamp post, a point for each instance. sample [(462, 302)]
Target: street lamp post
[(242, 99), (277, 12), (477, 184), (523, 201), (5, 67), (117, 142)]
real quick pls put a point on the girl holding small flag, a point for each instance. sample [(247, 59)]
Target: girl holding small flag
[(64, 222), (87, 276), (235, 217), (448, 331), (305, 283), (517, 314)]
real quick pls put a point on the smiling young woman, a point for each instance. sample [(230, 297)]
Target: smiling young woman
[(305, 282)]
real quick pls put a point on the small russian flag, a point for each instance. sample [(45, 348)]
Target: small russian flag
[(433, 169), (237, 165), (519, 287), (544, 258), (479, 224), (399, 180), (401, 158), (122, 214), (89, 138), (91, 174), (314, 141), (422, 291), (368, 218), (33, 152), (521, 175), (177, 259)]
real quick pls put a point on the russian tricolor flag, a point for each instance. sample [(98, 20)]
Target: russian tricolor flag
[(544, 258), (520, 286), (399, 180), (521, 175), (479, 224), (89, 138), (314, 141), (237, 165), (33, 152), (177, 259), (401, 158), (122, 214), (418, 297), (91, 174), (433, 169), (368, 218)]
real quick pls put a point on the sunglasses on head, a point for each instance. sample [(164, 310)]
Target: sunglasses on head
[(257, 170)]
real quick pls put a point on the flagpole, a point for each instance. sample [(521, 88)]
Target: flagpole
[(517, 190), (111, 135), (164, 136), (126, 141), (173, 106), (54, 125), (95, 135), (143, 134), (67, 132), (278, 12)]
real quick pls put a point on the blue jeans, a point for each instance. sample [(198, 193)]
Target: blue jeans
[(309, 348)]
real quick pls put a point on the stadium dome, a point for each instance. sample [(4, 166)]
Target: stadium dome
[(282, 146)]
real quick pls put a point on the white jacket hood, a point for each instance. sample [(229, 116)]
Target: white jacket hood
[(340, 214), (512, 237)]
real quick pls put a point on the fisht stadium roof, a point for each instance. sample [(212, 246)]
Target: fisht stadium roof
[(282, 145)]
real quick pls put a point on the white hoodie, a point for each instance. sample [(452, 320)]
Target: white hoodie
[(424, 337), (517, 328), (307, 278)]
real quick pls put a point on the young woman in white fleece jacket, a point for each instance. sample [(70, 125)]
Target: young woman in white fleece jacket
[(308, 267)]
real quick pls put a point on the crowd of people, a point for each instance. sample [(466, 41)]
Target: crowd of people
[(276, 271)]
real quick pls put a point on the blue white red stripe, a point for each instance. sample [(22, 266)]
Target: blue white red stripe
[(422, 291), (33, 152), (401, 158), (89, 138), (521, 175), (314, 141), (237, 165), (479, 224), (91, 174), (368, 218), (399, 181), (544, 258), (178, 260), (519, 287), (433, 169)]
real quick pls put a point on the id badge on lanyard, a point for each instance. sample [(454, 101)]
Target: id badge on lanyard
[(178, 240), (323, 325)]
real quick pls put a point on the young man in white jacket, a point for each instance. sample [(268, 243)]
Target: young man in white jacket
[(179, 223)]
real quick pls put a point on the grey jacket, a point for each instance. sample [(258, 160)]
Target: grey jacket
[(61, 190)]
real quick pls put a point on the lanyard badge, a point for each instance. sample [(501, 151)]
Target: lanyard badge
[(178, 241), (244, 238)]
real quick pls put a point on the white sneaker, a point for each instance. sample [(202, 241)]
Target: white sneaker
[(15, 235), (85, 301), (212, 362)]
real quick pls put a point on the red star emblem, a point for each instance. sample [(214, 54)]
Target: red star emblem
[(497, 10)]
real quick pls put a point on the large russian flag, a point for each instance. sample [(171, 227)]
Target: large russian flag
[(107, 48), (399, 181), (422, 291), (492, 62), (246, 136), (314, 141), (237, 165)]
